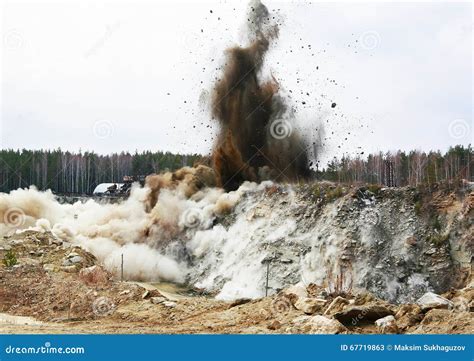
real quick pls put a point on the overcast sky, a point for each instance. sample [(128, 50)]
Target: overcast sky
[(108, 76)]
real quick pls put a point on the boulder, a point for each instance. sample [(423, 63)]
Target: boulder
[(364, 297), (461, 304), (94, 275), (446, 322), (431, 300), (322, 324), (71, 259), (56, 241), (69, 269), (336, 305), (408, 315), (367, 313), (316, 325), (295, 292), (169, 304), (407, 309), (157, 300), (387, 325), (300, 321), (310, 305), (26, 261), (49, 267), (274, 325)]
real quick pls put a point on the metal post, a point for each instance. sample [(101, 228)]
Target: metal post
[(266, 283), (121, 273)]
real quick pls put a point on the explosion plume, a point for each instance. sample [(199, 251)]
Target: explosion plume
[(256, 140)]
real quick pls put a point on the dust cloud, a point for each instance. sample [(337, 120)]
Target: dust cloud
[(257, 139)]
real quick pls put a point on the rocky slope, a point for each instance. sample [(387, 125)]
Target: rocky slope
[(397, 243), (61, 289)]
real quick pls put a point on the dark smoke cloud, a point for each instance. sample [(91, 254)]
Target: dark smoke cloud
[(257, 139)]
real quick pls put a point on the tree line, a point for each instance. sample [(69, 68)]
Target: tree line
[(403, 168), (79, 173)]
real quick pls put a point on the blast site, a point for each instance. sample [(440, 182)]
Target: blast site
[(281, 225)]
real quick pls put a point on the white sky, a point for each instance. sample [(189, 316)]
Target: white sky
[(96, 75)]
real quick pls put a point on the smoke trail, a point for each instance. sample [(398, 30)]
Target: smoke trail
[(257, 139)]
